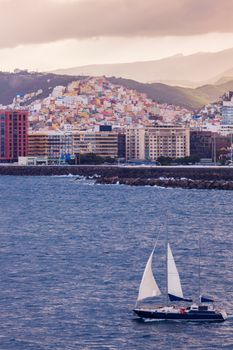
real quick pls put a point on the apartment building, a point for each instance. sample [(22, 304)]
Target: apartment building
[(168, 141), (135, 143), (153, 142), (52, 145), (57, 144), (38, 144), (227, 109), (101, 143), (13, 135)]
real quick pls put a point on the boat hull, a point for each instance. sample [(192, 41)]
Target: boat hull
[(175, 316)]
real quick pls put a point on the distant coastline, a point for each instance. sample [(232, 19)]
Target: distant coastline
[(180, 177)]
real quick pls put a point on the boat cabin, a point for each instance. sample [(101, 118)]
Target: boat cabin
[(196, 308)]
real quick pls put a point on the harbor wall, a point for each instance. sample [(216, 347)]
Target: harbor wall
[(123, 172)]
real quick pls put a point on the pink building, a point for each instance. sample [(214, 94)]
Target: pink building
[(13, 135)]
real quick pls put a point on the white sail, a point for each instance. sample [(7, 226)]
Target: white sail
[(173, 278), (148, 287)]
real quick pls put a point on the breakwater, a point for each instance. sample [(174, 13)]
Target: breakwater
[(170, 182), (185, 177)]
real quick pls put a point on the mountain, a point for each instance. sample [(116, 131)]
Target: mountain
[(192, 99), (192, 70), (224, 77), (21, 83), (184, 97)]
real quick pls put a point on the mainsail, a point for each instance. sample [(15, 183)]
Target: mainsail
[(148, 287), (174, 288)]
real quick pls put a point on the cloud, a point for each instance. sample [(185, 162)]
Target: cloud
[(25, 22)]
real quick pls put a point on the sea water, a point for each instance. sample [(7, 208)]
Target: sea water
[(72, 256)]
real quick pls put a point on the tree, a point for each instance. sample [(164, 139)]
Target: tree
[(188, 160), (91, 159), (165, 160)]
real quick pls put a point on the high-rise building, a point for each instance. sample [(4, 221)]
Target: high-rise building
[(168, 141), (227, 109), (121, 145), (13, 135), (154, 142), (135, 143)]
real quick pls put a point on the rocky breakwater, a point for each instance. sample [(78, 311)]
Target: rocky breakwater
[(169, 182), (220, 178), (184, 177)]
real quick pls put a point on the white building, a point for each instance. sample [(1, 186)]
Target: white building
[(154, 142), (58, 91), (168, 141), (221, 129), (135, 143), (227, 109)]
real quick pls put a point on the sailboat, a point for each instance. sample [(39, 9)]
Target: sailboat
[(203, 311)]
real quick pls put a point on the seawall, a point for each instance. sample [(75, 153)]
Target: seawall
[(188, 172), (184, 177)]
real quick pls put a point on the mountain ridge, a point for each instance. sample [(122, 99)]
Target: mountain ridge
[(199, 68)]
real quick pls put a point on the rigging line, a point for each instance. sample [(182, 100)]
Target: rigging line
[(199, 267), (157, 239)]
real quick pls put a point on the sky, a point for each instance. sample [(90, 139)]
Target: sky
[(44, 35)]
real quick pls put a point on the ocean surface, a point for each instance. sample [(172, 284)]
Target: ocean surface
[(72, 256)]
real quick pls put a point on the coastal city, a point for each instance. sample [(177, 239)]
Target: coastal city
[(114, 124), (116, 175)]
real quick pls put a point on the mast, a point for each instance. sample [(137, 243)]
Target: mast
[(215, 150), (199, 266), (231, 149), (167, 259)]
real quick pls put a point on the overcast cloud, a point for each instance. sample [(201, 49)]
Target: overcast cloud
[(25, 22)]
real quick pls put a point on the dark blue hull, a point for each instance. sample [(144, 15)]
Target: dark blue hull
[(188, 316)]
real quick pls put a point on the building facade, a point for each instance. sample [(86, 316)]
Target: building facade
[(160, 141), (209, 145), (227, 109), (13, 135), (168, 141), (101, 143), (201, 144), (38, 144), (53, 145), (121, 145), (58, 145), (135, 143)]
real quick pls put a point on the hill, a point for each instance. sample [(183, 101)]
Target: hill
[(185, 97), (12, 84), (23, 82)]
